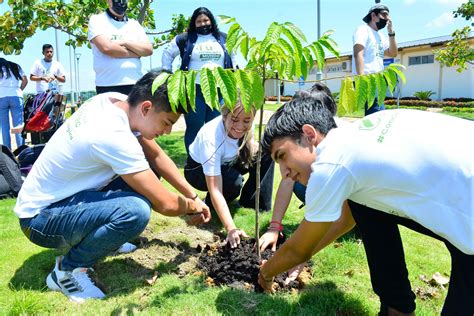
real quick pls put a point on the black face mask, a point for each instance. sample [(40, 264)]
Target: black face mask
[(119, 6), (381, 24), (204, 30)]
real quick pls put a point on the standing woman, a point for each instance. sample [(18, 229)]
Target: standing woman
[(223, 151), (203, 46), (12, 82)]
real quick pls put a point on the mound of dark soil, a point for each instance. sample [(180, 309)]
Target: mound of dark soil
[(239, 267)]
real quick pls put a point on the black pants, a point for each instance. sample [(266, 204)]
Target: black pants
[(121, 89), (388, 272), (232, 182)]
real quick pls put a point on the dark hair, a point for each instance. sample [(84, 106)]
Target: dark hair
[(10, 68), (46, 46), (206, 12), (320, 90), (289, 119), (141, 91)]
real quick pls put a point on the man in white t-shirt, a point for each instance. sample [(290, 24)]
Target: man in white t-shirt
[(118, 43), (70, 198), (48, 73), (394, 167), (370, 46)]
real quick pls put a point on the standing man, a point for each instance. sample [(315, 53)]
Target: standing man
[(47, 72), (370, 46), (117, 45)]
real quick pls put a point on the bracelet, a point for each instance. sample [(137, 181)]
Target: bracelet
[(280, 226), (195, 197), (391, 34)]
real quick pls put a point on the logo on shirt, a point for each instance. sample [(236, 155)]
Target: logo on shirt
[(368, 123)]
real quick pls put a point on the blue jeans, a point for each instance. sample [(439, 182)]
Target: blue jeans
[(14, 105), (374, 108), (195, 120), (91, 224)]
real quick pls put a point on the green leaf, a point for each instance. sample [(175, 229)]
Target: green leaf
[(244, 84), (286, 46), (309, 58), (159, 80), (371, 90), (273, 33), (227, 85), (298, 50), (381, 87), (391, 78), (182, 91), (396, 69), (361, 84), (328, 33), (209, 88), (191, 88), (224, 19), (258, 92), (296, 31), (232, 37), (330, 45), (318, 52), (174, 87), (346, 97), (304, 67), (244, 46)]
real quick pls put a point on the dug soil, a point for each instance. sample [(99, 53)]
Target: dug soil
[(239, 267)]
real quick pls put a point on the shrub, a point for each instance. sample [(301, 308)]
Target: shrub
[(424, 95), (458, 109), (274, 98), (431, 104), (459, 99)]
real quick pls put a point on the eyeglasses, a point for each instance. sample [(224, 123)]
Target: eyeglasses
[(384, 14)]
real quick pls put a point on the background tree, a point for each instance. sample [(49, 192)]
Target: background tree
[(26, 17), (458, 52)]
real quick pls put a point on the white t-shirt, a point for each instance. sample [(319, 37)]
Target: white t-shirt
[(10, 87), (110, 71), (42, 68), (212, 147), (85, 153), (374, 46), (408, 163)]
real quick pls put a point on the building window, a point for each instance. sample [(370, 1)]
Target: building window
[(418, 60)]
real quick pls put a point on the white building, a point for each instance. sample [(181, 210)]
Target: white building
[(422, 72)]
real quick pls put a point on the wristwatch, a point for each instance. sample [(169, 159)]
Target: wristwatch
[(391, 34)]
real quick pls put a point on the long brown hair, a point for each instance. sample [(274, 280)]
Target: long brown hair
[(247, 152)]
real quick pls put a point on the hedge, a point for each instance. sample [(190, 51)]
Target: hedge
[(431, 104)]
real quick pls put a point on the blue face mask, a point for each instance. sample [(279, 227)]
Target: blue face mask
[(119, 6)]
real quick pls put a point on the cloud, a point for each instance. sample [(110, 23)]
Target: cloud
[(444, 19), (409, 2)]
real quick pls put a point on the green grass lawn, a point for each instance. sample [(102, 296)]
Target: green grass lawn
[(340, 283)]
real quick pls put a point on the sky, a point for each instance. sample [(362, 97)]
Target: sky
[(412, 20)]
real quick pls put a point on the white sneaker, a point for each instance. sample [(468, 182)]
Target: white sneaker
[(127, 248), (76, 285)]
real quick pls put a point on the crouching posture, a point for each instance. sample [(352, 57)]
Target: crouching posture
[(397, 167), (70, 201), (223, 151)]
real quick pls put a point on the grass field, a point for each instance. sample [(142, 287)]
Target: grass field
[(340, 283)]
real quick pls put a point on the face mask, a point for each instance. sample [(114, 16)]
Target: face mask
[(381, 24), (204, 30), (119, 6)]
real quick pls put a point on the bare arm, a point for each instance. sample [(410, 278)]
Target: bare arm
[(214, 185), (111, 48), (392, 48), (39, 78), (163, 164), (24, 82), (141, 49), (359, 58), (60, 78)]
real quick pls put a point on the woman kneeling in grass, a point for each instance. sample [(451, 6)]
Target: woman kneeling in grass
[(223, 151)]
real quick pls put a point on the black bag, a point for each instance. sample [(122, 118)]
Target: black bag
[(10, 175)]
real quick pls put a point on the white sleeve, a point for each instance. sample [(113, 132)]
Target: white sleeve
[(328, 187), (140, 33), (94, 29), (169, 54), (121, 151), (360, 37), (60, 70), (35, 70), (211, 158)]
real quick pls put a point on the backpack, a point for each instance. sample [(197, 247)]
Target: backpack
[(10, 175), (43, 112)]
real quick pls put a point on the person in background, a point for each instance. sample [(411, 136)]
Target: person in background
[(203, 46), (370, 46), (92, 187), (12, 83), (46, 72), (222, 152), (118, 43)]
